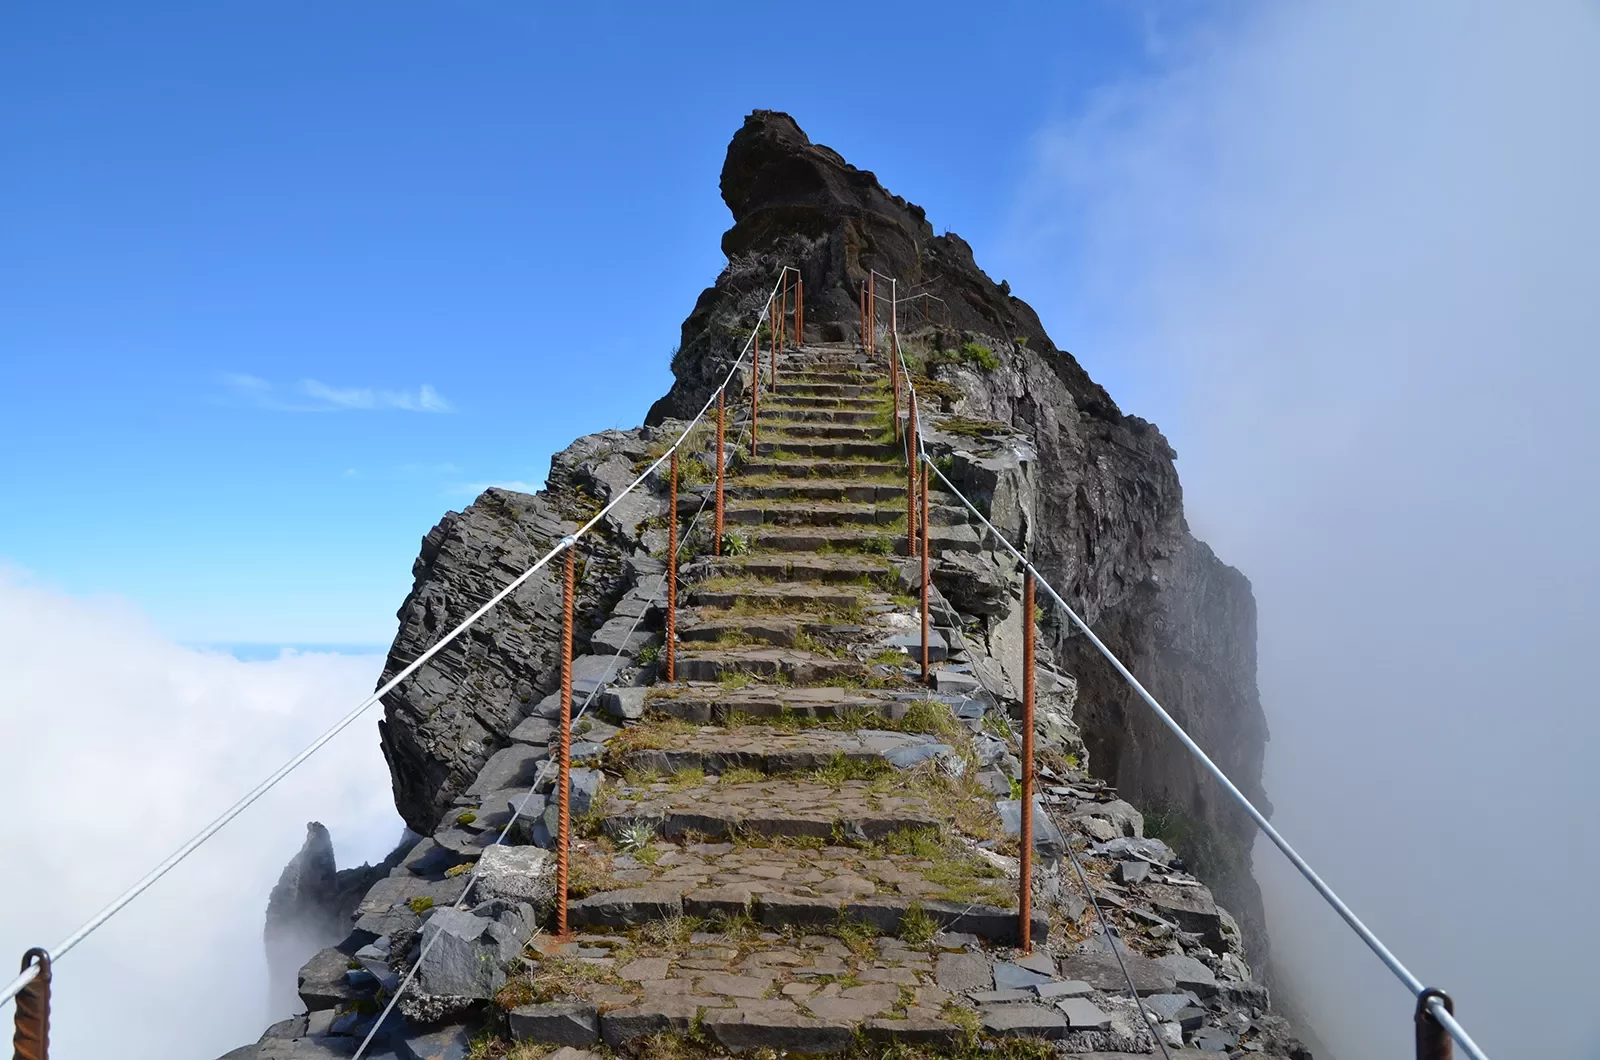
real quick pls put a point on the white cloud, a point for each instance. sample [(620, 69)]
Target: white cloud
[(1351, 247), (424, 399), (314, 396), (119, 744)]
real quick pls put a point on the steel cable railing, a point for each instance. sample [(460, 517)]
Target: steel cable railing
[(1430, 1001), (22, 981)]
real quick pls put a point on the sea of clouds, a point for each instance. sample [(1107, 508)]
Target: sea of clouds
[(118, 745)]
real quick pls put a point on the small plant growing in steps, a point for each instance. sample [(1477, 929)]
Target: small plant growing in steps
[(634, 837)]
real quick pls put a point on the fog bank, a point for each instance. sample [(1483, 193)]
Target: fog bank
[(119, 745), (1348, 256)]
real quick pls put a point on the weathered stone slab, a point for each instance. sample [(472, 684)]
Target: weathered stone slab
[(625, 908), (962, 973), (654, 1015), (1190, 974), (741, 1028), (1023, 1021), (1101, 971), (556, 1023)]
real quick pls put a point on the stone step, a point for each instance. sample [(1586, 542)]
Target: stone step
[(836, 390), (717, 750), (813, 887), (821, 468), (779, 630), (772, 598), (840, 432), (703, 703), (873, 542), (868, 571), (786, 631), (809, 513), (880, 452), (809, 401), (743, 989), (820, 490), (802, 414), (831, 374), (791, 664)]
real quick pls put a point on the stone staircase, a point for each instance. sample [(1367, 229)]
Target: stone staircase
[(793, 842)]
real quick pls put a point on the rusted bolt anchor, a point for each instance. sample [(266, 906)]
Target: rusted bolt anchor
[(32, 1040)]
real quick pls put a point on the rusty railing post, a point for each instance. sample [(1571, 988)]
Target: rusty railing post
[(722, 395), (1025, 890), (755, 390), (894, 381), (926, 585), (672, 572), (861, 304), (799, 310), (783, 309), (32, 1038), (872, 313), (911, 478), (564, 755), (1433, 1041), (772, 380)]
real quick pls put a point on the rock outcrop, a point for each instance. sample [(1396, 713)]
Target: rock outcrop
[(1090, 490), (311, 907)]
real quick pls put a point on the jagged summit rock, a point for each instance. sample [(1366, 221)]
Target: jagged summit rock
[(800, 203)]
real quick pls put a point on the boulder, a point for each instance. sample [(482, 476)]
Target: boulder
[(465, 952), (517, 874)]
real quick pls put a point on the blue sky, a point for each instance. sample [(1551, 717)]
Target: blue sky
[(282, 282)]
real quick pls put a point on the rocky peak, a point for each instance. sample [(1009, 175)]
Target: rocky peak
[(799, 203)]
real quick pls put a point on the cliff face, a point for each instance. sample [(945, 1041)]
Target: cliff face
[(1097, 499)]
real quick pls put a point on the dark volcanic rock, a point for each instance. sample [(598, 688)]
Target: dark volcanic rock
[(1091, 490), (448, 718), (312, 907)]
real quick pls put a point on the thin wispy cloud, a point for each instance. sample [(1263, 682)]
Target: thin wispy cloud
[(312, 395), (424, 399)]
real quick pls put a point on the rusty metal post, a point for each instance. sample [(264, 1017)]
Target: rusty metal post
[(1433, 1041), (872, 309), (894, 381), (861, 304), (799, 310), (564, 754), (772, 380), (926, 585), (716, 546), (755, 392), (783, 310), (672, 573), (1025, 891), (911, 480), (32, 1039)]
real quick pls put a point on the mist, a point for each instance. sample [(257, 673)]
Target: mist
[(1348, 257), (120, 744)]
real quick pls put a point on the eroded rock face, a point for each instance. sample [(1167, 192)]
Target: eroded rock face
[(445, 721), (1090, 490)]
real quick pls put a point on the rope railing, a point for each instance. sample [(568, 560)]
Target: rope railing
[(1436, 1025), (31, 987)]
